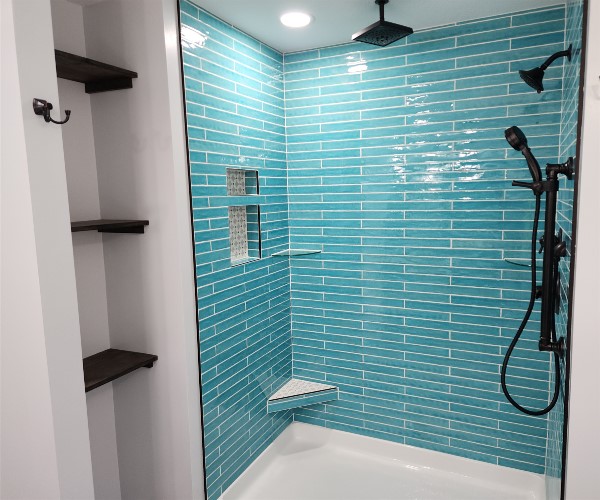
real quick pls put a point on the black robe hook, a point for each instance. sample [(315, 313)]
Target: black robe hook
[(43, 108)]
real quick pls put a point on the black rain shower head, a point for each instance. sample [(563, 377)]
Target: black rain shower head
[(382, 33), (534, 77)]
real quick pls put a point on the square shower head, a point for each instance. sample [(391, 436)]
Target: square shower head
[(382, 33)]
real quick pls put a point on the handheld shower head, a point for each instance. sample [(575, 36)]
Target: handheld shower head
[(517, 139)]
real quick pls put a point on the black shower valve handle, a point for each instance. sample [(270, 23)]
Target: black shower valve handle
[(537, 187), (528, 185), (560, 246), (560, 250)]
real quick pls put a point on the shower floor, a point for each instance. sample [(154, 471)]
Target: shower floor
[(308, 462)]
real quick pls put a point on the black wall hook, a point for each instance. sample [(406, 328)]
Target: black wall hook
[(43, 108)]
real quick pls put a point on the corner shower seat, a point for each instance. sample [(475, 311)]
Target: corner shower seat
[(297, 393)]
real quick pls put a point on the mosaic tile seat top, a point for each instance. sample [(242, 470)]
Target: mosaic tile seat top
[(296, 393)]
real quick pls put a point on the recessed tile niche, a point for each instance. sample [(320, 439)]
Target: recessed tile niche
[(242, 182), (244, 234)]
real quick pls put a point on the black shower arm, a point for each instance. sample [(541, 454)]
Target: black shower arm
[(554, 57), (381, 4)]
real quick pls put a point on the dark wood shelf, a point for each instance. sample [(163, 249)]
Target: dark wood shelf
[(110, 226), (111, 364), (97, 76)]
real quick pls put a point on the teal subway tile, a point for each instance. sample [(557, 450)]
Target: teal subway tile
[(537, 40), (513, 32), (403, 177), (539, 15), (189, 9)]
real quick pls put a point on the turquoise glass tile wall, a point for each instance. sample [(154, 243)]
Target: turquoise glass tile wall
[(235, 117), (568, 147), (398, 169), (393, 162)]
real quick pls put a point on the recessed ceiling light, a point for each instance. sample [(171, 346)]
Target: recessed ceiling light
[(296, 19)]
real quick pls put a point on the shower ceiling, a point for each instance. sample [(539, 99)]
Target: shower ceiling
[(336, 20)]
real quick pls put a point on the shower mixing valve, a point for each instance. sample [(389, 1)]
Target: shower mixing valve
[(560, 247)]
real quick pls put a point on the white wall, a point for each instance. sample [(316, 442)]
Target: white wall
[(142, 173), (84, 204), (150, 278), (44, 445), (584, 429)]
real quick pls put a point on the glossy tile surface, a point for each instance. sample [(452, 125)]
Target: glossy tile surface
[(235, 114), (311, 463), (398, 168), (392, 162)]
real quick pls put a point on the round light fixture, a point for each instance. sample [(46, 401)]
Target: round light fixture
[(295, 19)]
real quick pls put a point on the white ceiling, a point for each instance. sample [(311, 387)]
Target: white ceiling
[(336, 20)]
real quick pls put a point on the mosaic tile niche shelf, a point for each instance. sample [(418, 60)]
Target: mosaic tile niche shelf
[(244, 234), (296, 252), (242, 182), (297, 393)]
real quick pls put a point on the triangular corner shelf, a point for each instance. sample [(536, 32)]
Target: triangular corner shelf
[(297, 393)]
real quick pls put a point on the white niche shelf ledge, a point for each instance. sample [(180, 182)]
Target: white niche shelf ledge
[(297, 393), (295, 252)]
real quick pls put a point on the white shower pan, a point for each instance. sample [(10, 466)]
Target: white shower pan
[(308, 462)]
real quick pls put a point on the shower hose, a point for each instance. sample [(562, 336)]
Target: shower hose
[(530, 307)]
